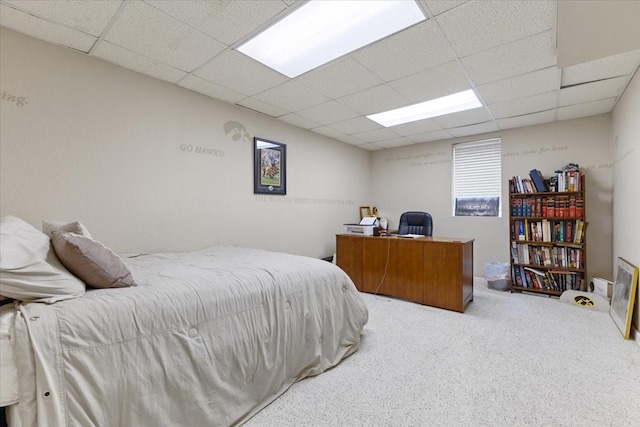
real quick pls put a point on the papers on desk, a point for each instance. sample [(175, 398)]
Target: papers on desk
[(411, 236), (368, 220)]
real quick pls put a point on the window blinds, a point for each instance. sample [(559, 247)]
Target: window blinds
[(477, 170)]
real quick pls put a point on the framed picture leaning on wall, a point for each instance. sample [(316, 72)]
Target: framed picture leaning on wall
[(269, 167), (365, 211), (624, 293)]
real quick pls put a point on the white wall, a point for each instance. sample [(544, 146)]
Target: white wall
[(85, 140), (626, 179), (418, 177)]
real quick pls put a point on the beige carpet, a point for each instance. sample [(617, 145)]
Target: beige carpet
[(509, 360)]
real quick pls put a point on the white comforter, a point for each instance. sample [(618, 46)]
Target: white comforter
[(207, 338)]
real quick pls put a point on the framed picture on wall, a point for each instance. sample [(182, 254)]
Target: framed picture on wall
[(624, 294), (269, 167), (365, 211)]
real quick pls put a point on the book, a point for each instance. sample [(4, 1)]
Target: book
[(529, 279), (579, 231), (514, 252), (538, 180), (579, 206), (516, 271), (521, 235), (572, 206)]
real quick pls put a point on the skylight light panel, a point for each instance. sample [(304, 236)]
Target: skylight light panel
[(322, 30), (460, 101)]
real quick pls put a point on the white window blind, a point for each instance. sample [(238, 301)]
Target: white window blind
[(477, 178)]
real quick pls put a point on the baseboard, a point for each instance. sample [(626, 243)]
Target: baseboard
[(479, 280)]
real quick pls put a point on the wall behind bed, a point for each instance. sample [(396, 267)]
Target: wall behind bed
[(148, 166)]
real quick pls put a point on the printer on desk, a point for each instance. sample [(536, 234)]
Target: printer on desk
[(365, 228)]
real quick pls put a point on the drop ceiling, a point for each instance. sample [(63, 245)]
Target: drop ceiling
[(504, 50)]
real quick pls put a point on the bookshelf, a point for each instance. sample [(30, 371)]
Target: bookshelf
[(548, 243)]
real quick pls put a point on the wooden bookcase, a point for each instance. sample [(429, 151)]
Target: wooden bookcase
[(548, 243)]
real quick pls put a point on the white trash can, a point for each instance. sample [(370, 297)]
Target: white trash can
[(497, 275)]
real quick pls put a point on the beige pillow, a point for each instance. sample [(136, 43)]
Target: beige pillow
[(90, 261), (29, 267), (48, 227)]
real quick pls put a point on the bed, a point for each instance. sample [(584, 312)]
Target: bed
[(206, 337)]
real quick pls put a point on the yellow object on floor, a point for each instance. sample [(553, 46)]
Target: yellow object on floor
[(586, 299)]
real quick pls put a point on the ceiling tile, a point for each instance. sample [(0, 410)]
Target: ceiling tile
[(440, 6), (327, 131), (396, 142), (356, 125), (205, 87), (520, 57), (522, 86), (417, 127), (415, 49), (612, 66), (370, 147), (226, 21), (430, 136), (237, 71), (327, 113), (463, 118), (146, 30), (480, 25), (296, 120), (587, 109), (374, 100), (528, 119), (519, 107), (45, 30), (444, 80), (349, 139), (291, 96), (376, 135), (89, 17), (262, 107), (340, 78), (133, 61), (473, 129), (587, 92)]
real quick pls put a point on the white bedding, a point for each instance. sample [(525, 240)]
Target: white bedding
[(207, 338), (8, 372)]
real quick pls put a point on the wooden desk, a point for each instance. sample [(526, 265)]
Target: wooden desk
[(433, 271)]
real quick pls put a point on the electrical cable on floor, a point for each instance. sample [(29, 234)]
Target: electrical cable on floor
[(386, 266)]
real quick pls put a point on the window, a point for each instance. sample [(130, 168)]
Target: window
[(477, 178)]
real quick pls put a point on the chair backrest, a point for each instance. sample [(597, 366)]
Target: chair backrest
[(415, 222)]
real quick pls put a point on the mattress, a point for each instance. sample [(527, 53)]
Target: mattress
[(209, 336)]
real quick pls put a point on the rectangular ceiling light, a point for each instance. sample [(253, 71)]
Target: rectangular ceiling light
[(460, 101), (321, 30)]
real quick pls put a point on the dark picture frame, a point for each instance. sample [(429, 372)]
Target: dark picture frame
[(623, 298), (269, 167)]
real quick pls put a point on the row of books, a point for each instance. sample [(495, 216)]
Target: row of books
[(535, 182), (545, 230), (566, 181), (528, 277), (561, 206), (548, 256)]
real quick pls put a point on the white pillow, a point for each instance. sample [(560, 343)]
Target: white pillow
[(29, 267), (48, 227)]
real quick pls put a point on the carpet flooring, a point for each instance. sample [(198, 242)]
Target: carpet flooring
[(509, 360)]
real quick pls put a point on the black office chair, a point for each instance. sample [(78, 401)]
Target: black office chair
[(415, 223)]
